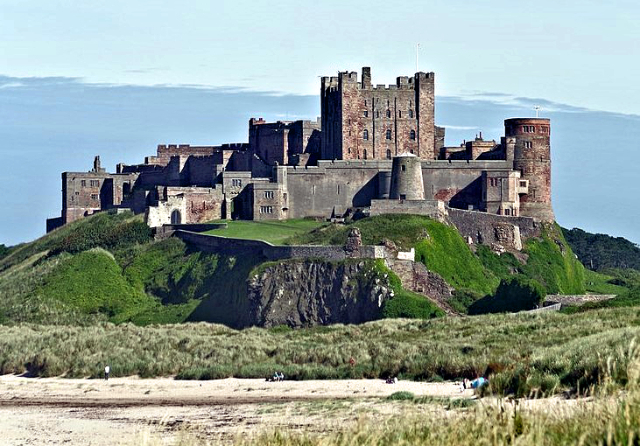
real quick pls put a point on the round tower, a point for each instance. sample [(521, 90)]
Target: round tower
[(406, 178), (532, 157)]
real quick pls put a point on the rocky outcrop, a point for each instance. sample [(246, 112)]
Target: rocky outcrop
[(306, 293), (417, 278)]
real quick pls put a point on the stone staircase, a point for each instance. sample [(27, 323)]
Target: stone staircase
[(417, 278)]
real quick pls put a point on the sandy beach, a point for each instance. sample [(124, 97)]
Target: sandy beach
[(56, 411)]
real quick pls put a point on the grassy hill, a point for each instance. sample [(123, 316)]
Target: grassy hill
[(550, 260), (108, 268)]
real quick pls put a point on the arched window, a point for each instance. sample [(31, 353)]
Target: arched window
[(412, 135), (388, 134), (388, 113), (176, 218), (388, 154), (365, 153), (365, 134)]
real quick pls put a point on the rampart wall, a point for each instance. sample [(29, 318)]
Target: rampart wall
[(233, 246), (484, 228)]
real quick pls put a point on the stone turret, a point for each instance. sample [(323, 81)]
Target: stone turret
[(532, 157), (406, 178)]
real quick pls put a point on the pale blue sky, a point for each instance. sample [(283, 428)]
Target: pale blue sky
[(584, 53), (115, 78)]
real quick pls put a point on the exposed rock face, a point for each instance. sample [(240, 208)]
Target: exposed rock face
[(305, 293), (354, 241), (417, 278)]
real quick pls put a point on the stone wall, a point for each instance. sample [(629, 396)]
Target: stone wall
[(431, 208), (417, 278), (233, 246), (180, 205), (332, 187), (488, 229)]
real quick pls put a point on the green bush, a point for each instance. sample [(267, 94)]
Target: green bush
[(513, 295), (410, 305), (104, 234), (401, 396), (462, 299), (4, 251)]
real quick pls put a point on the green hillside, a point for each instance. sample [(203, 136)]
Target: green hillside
[(108, 268), (550, 260)]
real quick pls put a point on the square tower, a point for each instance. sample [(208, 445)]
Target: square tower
[(362, 121)]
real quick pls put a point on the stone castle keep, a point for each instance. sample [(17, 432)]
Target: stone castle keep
[(375, 149)]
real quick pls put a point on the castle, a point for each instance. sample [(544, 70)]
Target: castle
[(375, 149)]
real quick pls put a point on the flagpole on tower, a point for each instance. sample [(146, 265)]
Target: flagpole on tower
[(417, 55), (537, 108)]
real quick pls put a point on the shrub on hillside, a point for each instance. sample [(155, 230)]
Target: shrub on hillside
[(409, 305), (104, 235), (462, 299), (513, 295), (4, 250)]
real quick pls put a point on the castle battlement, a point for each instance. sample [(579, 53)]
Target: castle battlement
[(371, 143)]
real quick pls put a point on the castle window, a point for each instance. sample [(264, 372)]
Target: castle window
[(365, 134), (399, 114), (349, 150), (388, 134), (83, 183), (388, 103), (95, 183), (366, 113), (523, 184), (412, 135), (388, 113), (266, 209), (527, 144), (77, 193), (411, 113), (365, 153), (388, 154), (236, 182), (268, 194), (411, 150), (94, 196), (365, 102), (403, 167), (507, 212)]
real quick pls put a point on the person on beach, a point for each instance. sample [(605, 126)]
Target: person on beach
[(107, 369), (479, 382)]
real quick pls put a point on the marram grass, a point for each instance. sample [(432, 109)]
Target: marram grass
[(524, 353)]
